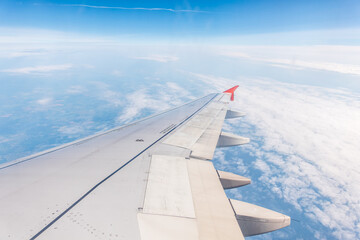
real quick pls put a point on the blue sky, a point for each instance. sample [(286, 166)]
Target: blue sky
[(167, 19)]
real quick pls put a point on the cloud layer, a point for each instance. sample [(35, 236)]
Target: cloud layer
[(159, 58), (309, 152), (341, 59), (38, 69)]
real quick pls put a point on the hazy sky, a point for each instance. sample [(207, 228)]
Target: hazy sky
[(187, 20)]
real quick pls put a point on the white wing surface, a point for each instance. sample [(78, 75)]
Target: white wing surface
[(152, 179)]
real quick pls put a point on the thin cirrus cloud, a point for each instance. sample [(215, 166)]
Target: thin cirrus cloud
[(133, 8), (341, 59), (44, 101), (309, 150), (38, 69), (75, 129), (159, 58)]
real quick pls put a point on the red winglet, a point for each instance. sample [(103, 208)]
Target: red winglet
[(232, 90)]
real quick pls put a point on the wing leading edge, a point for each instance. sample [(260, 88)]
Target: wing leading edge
[(152, 179)]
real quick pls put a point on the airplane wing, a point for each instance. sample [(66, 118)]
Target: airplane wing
[(152, 179)]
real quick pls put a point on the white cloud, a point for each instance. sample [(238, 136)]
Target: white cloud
[(310, 151), (4, 139), (155, 99), (173, 89), (152, 99), (340, 36), (104, 93), (25, 53), (38, 69), (44, 101), (75, 129), (342, 59), (117, 73), (159, 58), (140, 100), (76, 89), (286, 66), (174, 86), (40, 40)]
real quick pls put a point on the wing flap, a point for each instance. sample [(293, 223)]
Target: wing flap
[(214, 214), (168, 189), (160, 227)]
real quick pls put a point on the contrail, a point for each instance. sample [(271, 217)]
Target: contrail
[(134, 8)]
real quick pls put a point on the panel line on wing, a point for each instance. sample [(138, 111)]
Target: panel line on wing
[(117, 170)]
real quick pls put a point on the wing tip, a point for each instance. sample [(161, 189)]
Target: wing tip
[(231, 91)]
